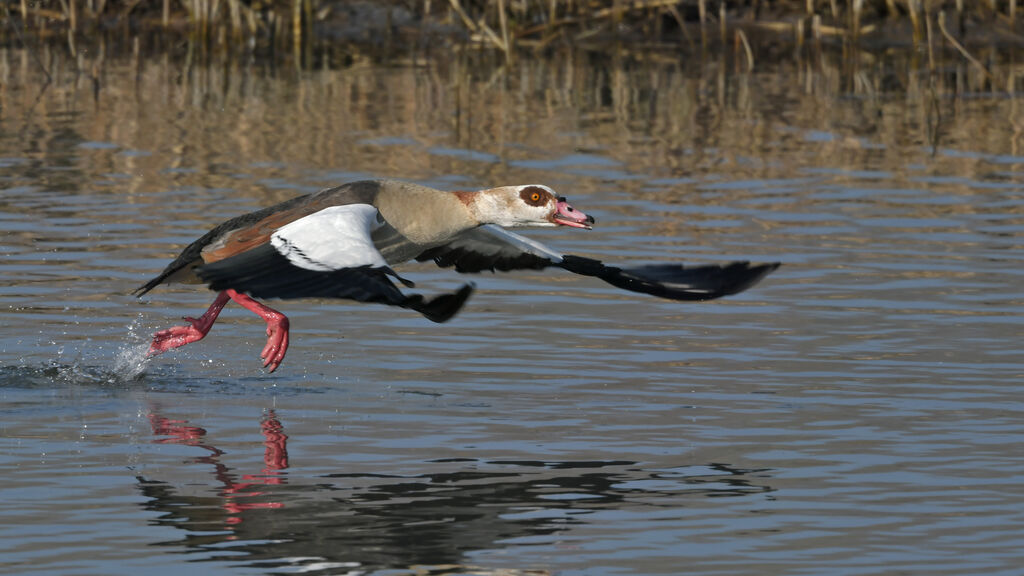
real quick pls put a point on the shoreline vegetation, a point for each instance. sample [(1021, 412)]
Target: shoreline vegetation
[(298, 27), (655, 104), (948, 47)]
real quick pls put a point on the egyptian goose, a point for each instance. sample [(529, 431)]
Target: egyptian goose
[(341, 243)]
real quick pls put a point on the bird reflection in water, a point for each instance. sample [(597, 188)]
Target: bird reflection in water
[(275, 459), (438, 516)]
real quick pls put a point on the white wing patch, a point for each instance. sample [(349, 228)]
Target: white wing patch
[(331, 239)]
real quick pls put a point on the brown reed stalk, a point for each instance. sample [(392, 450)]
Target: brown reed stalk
[(855, 14), (234, 12), (722, 22), (960, 48), (931, 50), (681, 23), (914, 9), (68, 13), (462, 14), (503, 22), (297, 27), (30, 49), (741, 38), (799, 33), (251, 19), (933, 102), (491, 35), (308, 15)]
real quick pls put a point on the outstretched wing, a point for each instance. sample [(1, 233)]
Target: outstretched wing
[(493, 248), (328, 254)]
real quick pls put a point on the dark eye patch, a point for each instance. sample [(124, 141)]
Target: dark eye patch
[(534, 195)]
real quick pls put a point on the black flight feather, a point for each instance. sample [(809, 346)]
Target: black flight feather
[(674, 281), (468, 261), (486, 248)]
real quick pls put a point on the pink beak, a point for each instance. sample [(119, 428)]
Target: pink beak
[(566, 215)]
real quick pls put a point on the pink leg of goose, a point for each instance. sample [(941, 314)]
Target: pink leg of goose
[(277, 329), (197, 329)]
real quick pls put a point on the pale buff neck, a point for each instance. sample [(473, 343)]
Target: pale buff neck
[(424, 215)]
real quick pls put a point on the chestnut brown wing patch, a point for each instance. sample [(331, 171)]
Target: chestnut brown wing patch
[(252, 235)]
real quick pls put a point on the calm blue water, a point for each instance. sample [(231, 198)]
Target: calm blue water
[(858, 413)]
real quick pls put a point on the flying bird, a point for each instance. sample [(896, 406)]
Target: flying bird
[(342, 243)]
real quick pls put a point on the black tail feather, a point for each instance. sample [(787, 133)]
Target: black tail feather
[(141, 290)]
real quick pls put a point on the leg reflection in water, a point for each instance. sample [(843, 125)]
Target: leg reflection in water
[(234, 491)]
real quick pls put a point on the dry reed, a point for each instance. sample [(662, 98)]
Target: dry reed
[(290, 26)]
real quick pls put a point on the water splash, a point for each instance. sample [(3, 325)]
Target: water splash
[(131, 359), (130, 362)]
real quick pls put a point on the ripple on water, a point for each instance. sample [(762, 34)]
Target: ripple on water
[(856, 412)]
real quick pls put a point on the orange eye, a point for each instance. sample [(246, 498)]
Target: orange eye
[(534, 195)]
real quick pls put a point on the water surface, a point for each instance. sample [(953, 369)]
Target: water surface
[(857, 413)]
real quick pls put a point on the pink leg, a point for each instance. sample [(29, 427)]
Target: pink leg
[(277, 329), (197, 329)]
